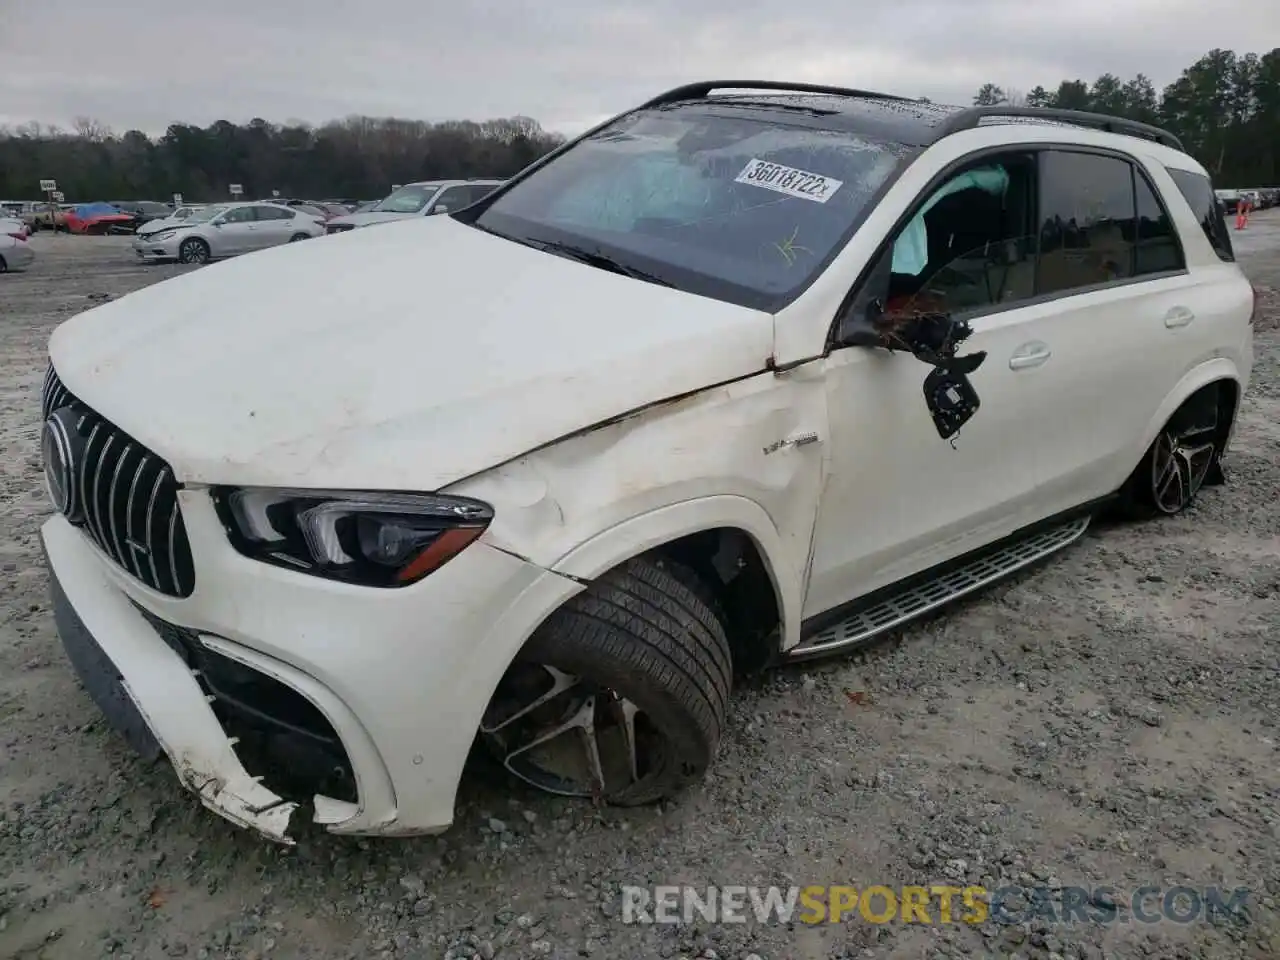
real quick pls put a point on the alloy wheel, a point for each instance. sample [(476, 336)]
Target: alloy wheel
[(570, 737), (1179, 464)]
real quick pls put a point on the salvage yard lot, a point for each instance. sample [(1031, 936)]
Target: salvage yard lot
[(1107, 719)]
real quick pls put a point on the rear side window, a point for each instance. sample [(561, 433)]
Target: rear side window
[(1198, 192), (1157, 249), (1087, 222)]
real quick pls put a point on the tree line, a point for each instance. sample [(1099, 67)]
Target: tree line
[(359, 157), (1225, 108)]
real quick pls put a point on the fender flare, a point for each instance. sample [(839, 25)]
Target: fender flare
[(645, 531), (1212, 371)]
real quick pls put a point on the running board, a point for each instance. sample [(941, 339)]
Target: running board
[(924, 596)]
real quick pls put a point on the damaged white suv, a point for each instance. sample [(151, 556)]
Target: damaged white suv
[(697, 393)]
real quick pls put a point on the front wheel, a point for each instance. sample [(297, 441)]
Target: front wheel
[(299, 236), (621, 695), (193, 250)]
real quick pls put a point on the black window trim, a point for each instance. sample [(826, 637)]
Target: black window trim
[(949, 171)]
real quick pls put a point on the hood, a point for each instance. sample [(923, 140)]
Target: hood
[(368, 219), (161, 223), (404, 358)]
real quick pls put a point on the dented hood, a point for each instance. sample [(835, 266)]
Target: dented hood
[(407, 357)]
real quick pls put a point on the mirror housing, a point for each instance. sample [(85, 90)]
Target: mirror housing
[(439, 208)]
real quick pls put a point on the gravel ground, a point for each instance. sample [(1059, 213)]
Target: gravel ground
[(1107, 719)]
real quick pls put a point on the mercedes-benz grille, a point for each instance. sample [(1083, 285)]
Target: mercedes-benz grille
[(124, 497)]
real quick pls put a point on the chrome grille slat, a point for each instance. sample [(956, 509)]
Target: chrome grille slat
[(129, 499)]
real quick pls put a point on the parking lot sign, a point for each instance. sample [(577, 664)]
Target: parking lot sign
[(48, 186), (236, 189), (177, 199), (58, 196)]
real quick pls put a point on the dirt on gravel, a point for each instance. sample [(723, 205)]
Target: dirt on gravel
[(1108, 719)]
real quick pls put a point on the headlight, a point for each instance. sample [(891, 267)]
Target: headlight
[(158, 236), (372, 539)]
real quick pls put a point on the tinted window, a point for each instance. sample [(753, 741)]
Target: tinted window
[(741, 203), (970, 244), (1087, 225), (1158, 249), (455, 198), (1198, 192)]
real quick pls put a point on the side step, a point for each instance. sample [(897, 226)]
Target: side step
[(890, 608)]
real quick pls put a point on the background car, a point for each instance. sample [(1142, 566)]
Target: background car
[(15, 252), (227, 230), (142, 211), (45, 216), (417, 200), (99, 218)]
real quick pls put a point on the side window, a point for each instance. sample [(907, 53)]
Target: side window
[(455, 198), (1157, 249), (1198, 192), (970, 244), (238, 215), (1087, 222)]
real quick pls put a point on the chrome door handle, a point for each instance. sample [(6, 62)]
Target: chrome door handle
[(1030, 355), (1178, 317)]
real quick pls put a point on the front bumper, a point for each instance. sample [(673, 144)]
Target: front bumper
[(401, 677), (166, 249)]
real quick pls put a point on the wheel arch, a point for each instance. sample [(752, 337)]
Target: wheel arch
[(1219, 373), (696, 532)]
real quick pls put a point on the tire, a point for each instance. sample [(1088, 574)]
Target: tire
[(299, 236), (1179, 462), (4, 267), (193, 250), (649, 632)]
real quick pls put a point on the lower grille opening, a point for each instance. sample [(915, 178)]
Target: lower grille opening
[(282, 737)]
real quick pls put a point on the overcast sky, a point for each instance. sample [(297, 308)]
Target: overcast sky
[(567, 63)]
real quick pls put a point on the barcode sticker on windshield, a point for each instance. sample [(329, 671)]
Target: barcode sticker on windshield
[(789, 180)]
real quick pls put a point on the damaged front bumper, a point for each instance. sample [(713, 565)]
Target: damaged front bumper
[(123, 666)]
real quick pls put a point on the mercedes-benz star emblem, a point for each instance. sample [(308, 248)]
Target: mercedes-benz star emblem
[(61, 446)]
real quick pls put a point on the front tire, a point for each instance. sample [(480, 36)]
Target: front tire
[(193, 250), (298, 237), (621, 695)]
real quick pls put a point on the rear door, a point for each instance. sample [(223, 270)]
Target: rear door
[(275, 225), (1118, 306)]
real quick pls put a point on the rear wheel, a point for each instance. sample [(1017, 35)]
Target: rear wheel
[(1171, 472), (620, 695), (299, 236)]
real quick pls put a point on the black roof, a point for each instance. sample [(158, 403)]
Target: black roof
[(917, 123)]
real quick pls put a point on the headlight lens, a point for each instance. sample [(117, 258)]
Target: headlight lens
[(159, 235), (372, 539)]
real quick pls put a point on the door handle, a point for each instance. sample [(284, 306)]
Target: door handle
[(1178, 317), (1030, 355)]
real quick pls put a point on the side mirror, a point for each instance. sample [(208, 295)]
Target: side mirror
[(218, 223), (440, 208)]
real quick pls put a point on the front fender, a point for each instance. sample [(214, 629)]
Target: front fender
[(624, 540)]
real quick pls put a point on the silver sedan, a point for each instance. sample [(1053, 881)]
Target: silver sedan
[(227, 230)]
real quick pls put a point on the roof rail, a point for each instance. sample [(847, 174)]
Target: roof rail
[(696, 91), (970, 117)]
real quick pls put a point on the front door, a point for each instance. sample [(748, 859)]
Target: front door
[(898, 497)]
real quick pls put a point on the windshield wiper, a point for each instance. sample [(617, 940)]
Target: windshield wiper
[(595, 258)]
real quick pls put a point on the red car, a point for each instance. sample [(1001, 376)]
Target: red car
[(98, 218)]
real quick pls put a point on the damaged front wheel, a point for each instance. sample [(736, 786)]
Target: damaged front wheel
[(621, 695)]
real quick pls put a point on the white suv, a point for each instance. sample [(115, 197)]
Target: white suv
[(696, 393)]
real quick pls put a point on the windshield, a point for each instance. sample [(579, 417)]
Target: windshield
[(204, 215), (408, 199), (740, 203)]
